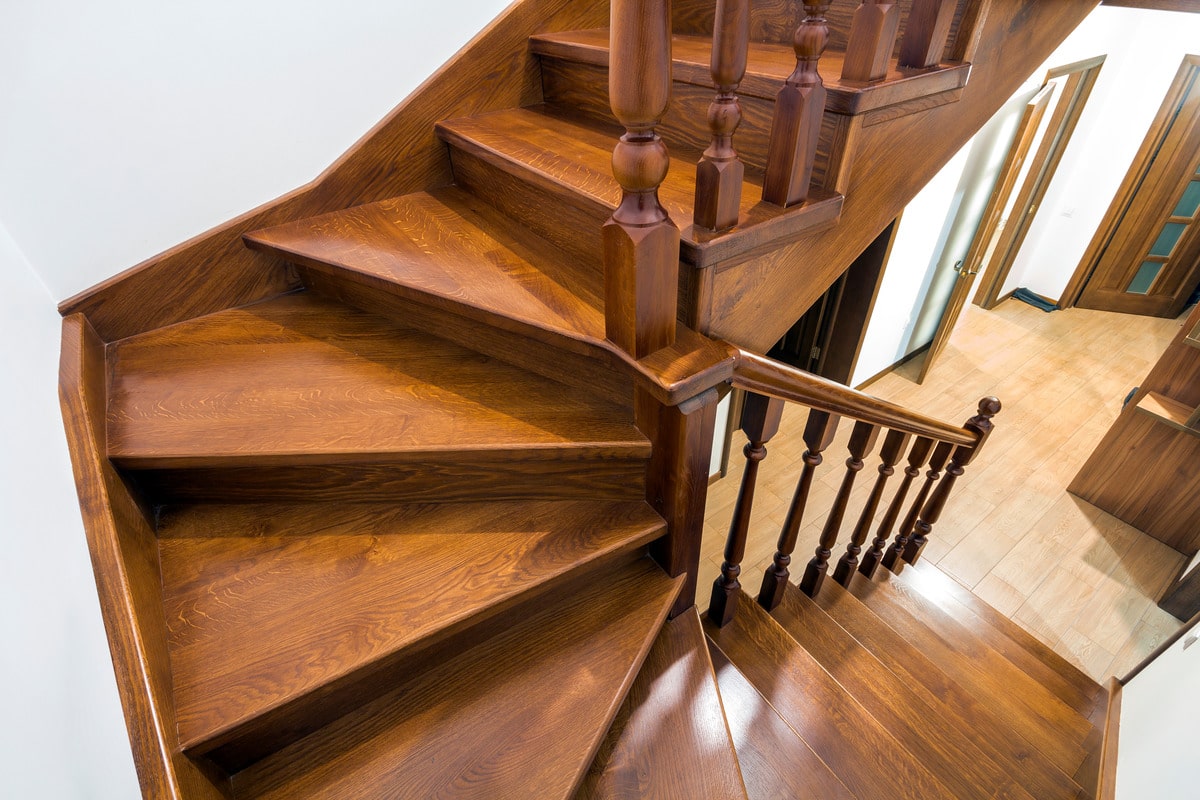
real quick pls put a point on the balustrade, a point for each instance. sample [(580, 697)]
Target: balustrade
[(917, 456), (893, 447), (872, 39), (720, 172), (925, 35)]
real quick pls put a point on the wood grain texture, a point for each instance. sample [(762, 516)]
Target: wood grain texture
[(399, 155), (776, 762), (860, 751), (124, 558), (570, 161), (1106, 782), (767, 67), (280, 616), (669, 739), (945, 745), (427, 249), (521, 714), (905, 657), (1054, 671), (795, 275), (1045, 721)]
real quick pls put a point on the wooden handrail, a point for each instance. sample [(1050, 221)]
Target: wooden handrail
[(764, 375)]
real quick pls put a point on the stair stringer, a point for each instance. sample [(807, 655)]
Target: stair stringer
[(753, 303)]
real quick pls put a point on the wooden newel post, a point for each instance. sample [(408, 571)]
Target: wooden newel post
[(720, 171), (799, 107), (893, 447), (872, 39), (925, 35), (818, 434), (862, 440), (981, 424), (760, 421), (641, 243), (916, 459), (892, 559)]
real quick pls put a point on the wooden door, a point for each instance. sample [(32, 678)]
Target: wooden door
[(1150, 261), (1006, 179)]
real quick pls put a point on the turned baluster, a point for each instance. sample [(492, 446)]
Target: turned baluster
[(893, 447), (872, 39), (916, 459), (862, 440), (720, 171), (760, 421), (925, 35), (641, 243), (937, 462), (799, 107), (818, 433), (981, 425)]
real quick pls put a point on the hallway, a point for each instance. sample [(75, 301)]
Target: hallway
[(1080, 580)]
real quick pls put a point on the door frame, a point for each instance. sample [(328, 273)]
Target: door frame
[(1125, 195), (1077, 89)]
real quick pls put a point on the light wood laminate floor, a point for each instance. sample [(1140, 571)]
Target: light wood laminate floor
[(1077, 578)]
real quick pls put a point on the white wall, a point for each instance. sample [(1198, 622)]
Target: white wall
[(1144, 51), (1156, 745), (126, 127)]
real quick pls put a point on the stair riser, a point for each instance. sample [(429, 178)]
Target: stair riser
[(584, 89), (254, 739), (567, 361), (511, 476)]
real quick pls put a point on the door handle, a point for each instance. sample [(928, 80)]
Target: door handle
[(958, 266)]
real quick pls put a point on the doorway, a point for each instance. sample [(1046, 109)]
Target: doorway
[(1074, 83), (1145, 256)]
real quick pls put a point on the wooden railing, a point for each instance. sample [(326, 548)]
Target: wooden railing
[(945, 447)]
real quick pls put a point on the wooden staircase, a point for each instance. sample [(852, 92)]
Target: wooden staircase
[(384, 509)]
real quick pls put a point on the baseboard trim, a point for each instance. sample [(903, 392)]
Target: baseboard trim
[(914, 354)]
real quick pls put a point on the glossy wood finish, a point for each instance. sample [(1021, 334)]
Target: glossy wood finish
[(469, 727), (942, 743), (399, 410), (422, 250), (893, 556), (719, 173), (1050, 725), (123, 548), (818, 434), (256, 596), (981, 425), (926, 32), (862, 442), (1143, 470), (676, 479), (872, 39), (776, 762), (757, 373), (513, 144), (917, 456), (799, 107), (214, 271), (669, 739), (1106, 788), (893, 448), (760, 421), (640, 242), (843, 734), (905, 656)]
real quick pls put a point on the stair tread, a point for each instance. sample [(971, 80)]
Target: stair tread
[(670, 739), (1050, 725), (947, 746), (768, 65), (447, 249), (869, 760), (904, 657), (572, 160), (776, 762), (300, 378), (521, 714), (267, 603), (1064, 678)]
